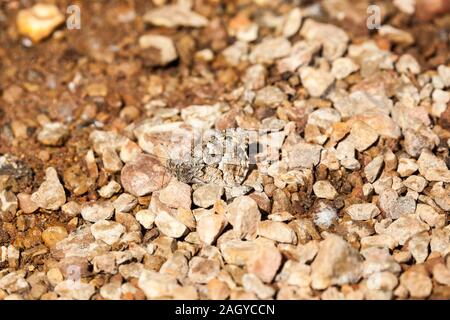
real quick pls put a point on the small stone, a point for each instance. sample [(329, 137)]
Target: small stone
[(277, 231), (202, 270), (107, 231), (53, 134), (218, 290), (71, 209), (54, 276), (13, 282), (441, 274), (143, 175), (407, 167), (270, 49), (363, 211), (201, 116), (39, 21), (51, 194), (336, 263), (373, 168), (146, 218), (26, 204), (427, 214), (125, 203), (76, 290), (210, 226), (111, 160), (444, 73), (243, 214), (97, 211), (386, 281), (325, 190), (292, 22), (343, 67), (253, 284), (417, 282), (172, 16), (162, 45), (170, 226), (52, 235), (265, 263), (304, 155), (433, 168), (316, 81), (407, 63), (237, 252), (416, 183), (270, 96), (206, 195), (156, 285), (396, 206), (109, 190), (404, 228), (362, 136), (176, 194), (418, 246), (395, 35)]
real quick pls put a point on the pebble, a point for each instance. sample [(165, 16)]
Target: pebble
[(243, 214), (201, 116), (156, 285), (176, 194), (125, 203), (53, 134), (75, 290), (172, 16), (206, 195), (146, 218), (372, 169), (51, 194), (292, 23), (417, 282), (432, 168), (277, 231), (336, 263), (26, 204), (418, 246), (265, 263), (343, 67), (396, 35), (107, 191), (316, 81), (407, 167), (144, 175), (270, 49), (416, 183), (52, 235), (304, 155), (395, 206), (210, 226), (169, 225), (39, 21), (441, 274), (270, 96), (252, 283), (363, 211), (163, 45), (404, 228), (428, 215), (237, 252), (96, 211), (202, 270), (107, 231), (325, 190), (362, 136), (407, 63), (13, 282)]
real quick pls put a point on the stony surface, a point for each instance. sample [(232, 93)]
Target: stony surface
[(120, 176)]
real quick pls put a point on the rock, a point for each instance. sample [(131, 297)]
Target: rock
[(336, 263), (51, 194), (218, 290), (363, 211), (415, 142), (304, 155), (109, 190), (8, 202), (13, 282), (253, 284), (277, 231), (441, 274), (111, 160), (395, 35), (71, 209), (396, 206), (39, 21), (107, 231), (144, 175), (202, 270), (97, 211), (324, 117), (417, 282), (255, 77), (343, 67), (428, 215), (404, 228), (237, 252), (418, 246), (163, 47), (386, 281), (243, 214), (53, 134), (362, 136), (176, 194), (172, 16), (265, 263), (156, 285), (270, 96), (333, 47), (407, 63), (201, 116), (52, 235), (209, 227), (270, 49), (26, 204), (316, 81), (406, 167), (416, 183), (206, 195), (125, 203), (325, 190), (76, 290), (170, 226), (111, 291), (292, 22), (433, 168), (373, 168), (146, 218), (444, 73)]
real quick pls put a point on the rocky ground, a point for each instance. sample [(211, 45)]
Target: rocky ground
[(349, 198)]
